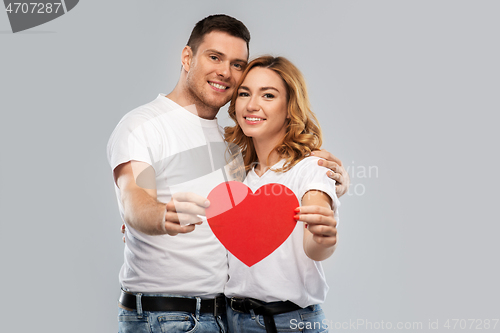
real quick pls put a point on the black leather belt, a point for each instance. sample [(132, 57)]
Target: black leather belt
[(215, 306), (267, 310)]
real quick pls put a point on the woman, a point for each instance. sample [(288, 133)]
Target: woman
[(276, 132)]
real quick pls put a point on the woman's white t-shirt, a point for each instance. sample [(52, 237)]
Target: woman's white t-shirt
[(287, 273)]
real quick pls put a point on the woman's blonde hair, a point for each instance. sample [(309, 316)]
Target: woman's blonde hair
[(303, 133)]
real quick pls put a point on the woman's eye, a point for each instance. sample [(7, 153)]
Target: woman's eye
[(268, 95), (242, 94)]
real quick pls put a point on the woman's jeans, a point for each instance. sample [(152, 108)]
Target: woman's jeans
[(307, 320)]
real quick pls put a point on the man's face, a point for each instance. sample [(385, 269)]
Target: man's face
[(216, 68)]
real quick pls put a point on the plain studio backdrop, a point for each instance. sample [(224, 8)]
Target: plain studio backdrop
[(407, 93)]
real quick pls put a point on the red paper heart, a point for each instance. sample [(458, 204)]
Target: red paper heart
[(251, 225)]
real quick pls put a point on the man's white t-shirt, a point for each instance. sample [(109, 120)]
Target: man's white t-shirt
[(188, 154), (287, 273)]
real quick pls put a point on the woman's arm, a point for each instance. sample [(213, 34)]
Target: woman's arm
[(320, 233)]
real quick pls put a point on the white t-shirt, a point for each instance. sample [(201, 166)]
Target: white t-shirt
[(188, 155), (287, 273)]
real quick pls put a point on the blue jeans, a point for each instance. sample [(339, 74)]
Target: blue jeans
[(169, 322), (307, 320)]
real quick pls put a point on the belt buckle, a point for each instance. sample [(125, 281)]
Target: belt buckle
[(231, 303)]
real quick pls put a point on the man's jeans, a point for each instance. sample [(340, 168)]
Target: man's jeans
[(307, 320), (171, 322)]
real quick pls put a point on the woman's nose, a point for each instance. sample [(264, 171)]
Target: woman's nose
[(253, 104)]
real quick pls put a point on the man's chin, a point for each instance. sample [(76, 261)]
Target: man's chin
[(218, 103)]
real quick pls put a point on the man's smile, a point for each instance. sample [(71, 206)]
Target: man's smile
[(218, 86)]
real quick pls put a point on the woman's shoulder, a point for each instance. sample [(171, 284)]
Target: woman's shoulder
[(307, 162), (307, 167)]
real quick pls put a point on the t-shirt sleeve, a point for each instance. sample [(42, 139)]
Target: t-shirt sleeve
[(135, 138), (313, 177)]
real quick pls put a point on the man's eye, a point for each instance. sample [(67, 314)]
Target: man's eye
[(238, 66), (214, 57)]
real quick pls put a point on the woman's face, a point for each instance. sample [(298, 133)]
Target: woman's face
[(261, 105)]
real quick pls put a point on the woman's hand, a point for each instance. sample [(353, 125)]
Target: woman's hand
[(319, 221), (320, 234)]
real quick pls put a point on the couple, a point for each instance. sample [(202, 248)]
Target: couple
[(171, 150)]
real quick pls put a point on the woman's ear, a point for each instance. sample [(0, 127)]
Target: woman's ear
[(186, 57)]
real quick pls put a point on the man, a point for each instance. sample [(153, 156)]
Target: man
[(170, 150)]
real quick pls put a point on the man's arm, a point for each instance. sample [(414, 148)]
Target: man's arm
[(142, 210), (338, 173)]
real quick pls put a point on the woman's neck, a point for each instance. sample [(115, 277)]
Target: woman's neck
[(263, 151)]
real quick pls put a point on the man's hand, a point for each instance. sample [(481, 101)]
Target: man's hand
[(182, 213), (338, 173), (142, 210)]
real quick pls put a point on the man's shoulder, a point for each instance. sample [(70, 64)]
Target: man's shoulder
[(152, 109)]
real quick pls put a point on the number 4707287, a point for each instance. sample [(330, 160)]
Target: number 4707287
[(33, 8)]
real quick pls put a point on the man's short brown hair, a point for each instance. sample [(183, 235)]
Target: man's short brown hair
[(219, 22)]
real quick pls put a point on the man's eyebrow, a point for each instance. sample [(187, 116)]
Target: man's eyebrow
[(214, 51), (223, 55)]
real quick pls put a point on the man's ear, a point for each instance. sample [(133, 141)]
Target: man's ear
[(186, 57)]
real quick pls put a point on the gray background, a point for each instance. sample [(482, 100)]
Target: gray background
[(408, 88)]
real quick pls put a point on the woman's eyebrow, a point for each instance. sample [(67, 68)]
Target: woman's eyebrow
[(261, 89), (267, 88)]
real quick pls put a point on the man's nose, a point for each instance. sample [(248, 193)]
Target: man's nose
[(224, 69)]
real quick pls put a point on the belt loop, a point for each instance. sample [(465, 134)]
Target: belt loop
[(198, 307), (138, 303), (252, 313), (270, 324)]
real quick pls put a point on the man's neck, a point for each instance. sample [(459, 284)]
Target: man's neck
[(192, 104)]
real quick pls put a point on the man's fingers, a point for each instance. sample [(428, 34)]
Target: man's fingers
[(183, 212), (185, 207), (335, 176), (338, 172), (330, 165), (174, 228), (182, 218), (191, 197), (327, 156)]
